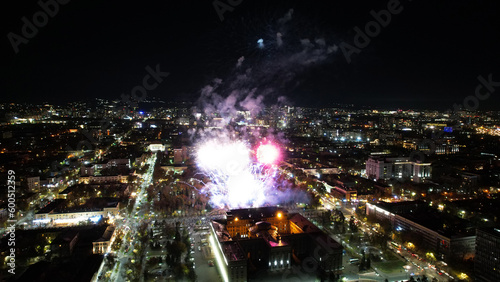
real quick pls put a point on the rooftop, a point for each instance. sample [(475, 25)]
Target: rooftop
[(232, 251), (255, 213), (304, 224), (51, 206)]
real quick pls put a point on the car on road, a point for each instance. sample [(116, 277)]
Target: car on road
[(353, 260), (210, 263)]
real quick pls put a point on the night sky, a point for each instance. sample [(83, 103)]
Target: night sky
[(428, 56)]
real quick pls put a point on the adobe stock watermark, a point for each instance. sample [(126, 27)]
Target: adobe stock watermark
[(222, 7), (483, 91), (139, 92), (29, 30), (150, 82), (308, 270), (11, 229), (372, 29)]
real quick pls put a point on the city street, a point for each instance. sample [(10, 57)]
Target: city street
[(130, 226), (202, 255)]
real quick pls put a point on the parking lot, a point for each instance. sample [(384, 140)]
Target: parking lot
[(202, 256)]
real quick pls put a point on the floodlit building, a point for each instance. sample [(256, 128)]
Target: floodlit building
[(156, 146), (344, 193), (53, 214), (270, 240), (103, 179), (446, 243), (381, 167), (100, 246)]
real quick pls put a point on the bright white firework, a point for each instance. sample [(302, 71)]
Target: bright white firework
[(268, 154), (236, 180), (229, 157)]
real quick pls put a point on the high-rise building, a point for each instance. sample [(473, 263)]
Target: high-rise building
[(381, 167), (33, 183), (180, 155), (487, 259)]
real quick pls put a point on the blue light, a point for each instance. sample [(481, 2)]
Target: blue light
[(96, 218), (260, 43)]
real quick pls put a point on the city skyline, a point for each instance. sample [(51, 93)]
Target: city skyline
[(239, 140), (417, 56)]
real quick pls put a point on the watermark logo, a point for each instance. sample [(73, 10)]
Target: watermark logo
[(139, 92), (471, 102), (39, 19), (11, 229), (372, 29), (222, 7), (483, 91)]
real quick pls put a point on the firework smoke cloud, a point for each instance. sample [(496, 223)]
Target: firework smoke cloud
[(242, 173)]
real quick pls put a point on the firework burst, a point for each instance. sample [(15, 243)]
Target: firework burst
[(237, 178)]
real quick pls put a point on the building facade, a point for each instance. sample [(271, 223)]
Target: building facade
[(268, 239), (487, 260), (103, 179), (446, 246), (72, 217), (380, 167), (33, 183)]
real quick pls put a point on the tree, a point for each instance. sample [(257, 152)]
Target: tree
[(386, 226), (131, 178), (315, 204), (177, 248), (361, 211), (320, 188), (326, 218), (352, 225), (158, 173), (180, 270), (131, 204), (192, 275), (362, 264)]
